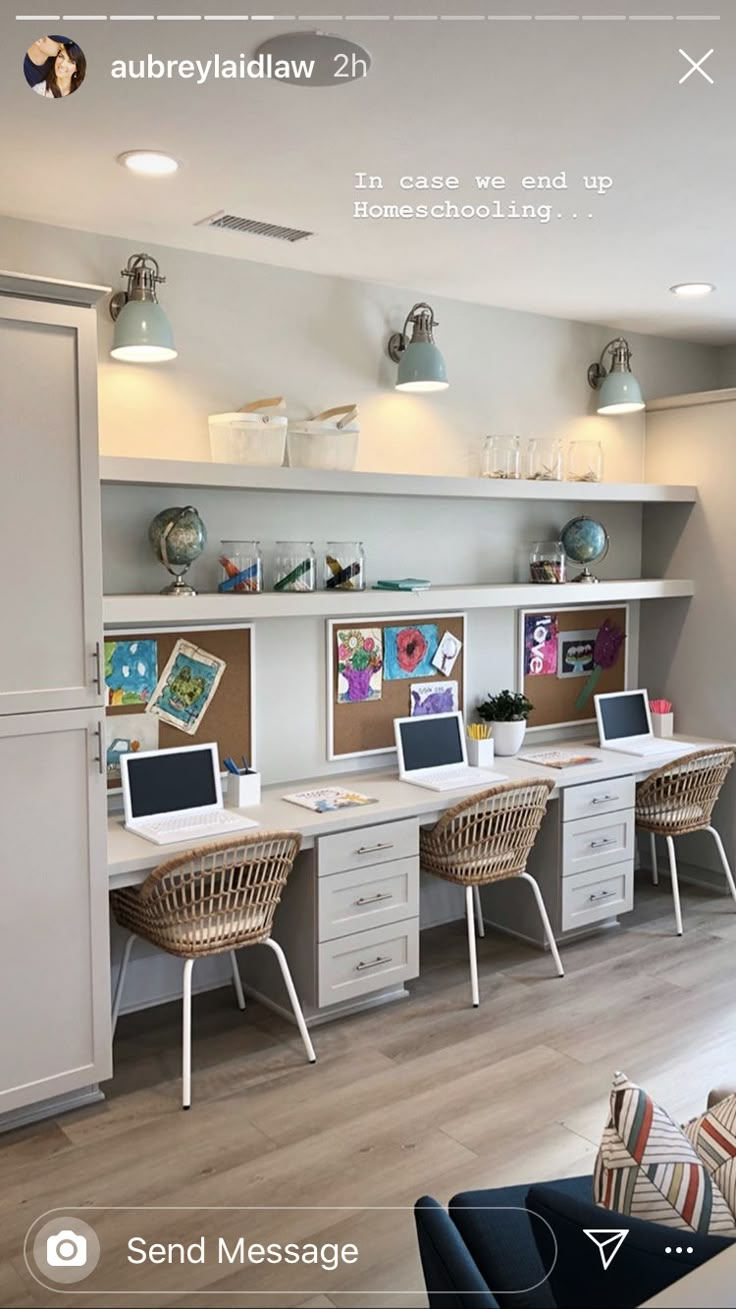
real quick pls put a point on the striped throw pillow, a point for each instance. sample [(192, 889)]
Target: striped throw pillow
[(713, 1135), (647, 1167)]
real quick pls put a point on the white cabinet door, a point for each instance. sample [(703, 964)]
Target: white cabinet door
[(50, 553), (54, 947)]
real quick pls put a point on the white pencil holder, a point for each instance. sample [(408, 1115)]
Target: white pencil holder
[(243, 790), (663, 724), (480, 753)]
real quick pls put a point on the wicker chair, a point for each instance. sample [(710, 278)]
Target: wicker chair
[(679, 799), (487, 839), (212, 900)]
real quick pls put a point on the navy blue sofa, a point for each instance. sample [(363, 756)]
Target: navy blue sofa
[(493, 1249)]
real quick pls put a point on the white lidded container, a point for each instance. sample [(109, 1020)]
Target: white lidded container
[(328, 441), (250, 436)]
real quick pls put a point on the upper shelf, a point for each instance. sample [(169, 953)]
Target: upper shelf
[(121, 471), (126, 610)]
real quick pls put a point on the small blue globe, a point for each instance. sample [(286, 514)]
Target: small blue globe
[(183, 533), (584, 540)]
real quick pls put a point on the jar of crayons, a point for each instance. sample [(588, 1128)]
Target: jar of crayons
[(242, 568), (344, 566), (294, 566)]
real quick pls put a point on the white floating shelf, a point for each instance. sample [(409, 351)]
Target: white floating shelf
[(119, 471), (128, 610)]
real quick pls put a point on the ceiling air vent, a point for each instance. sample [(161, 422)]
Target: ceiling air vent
[(252, 227)]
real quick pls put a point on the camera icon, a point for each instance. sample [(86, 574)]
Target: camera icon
[(66, 1250)]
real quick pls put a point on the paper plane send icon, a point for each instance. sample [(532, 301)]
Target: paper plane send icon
[(609, 1241)]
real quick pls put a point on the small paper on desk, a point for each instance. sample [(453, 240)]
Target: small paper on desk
[(559, 758)]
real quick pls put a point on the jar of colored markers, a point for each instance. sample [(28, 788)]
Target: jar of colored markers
[(242, 567), (294, 566), (344, 566)]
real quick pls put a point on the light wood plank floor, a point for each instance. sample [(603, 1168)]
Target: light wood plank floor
[(427, 1095)]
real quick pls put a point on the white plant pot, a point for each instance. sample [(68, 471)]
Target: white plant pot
[(508, 738)]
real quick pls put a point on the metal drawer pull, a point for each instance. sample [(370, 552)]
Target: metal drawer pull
[(380, 845), (97, 678), (100, 757), (601, 895), (605, 840), (604, 799), (373, 899), (373, 963)]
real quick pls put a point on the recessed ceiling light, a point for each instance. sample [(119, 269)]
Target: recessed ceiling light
[(149, 163), (692, 289)]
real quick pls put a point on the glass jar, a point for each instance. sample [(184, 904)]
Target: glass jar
[(294, 566), (344, 566), (500, 457), (544, 459), (547, 562), (242, 566), (584, 461)]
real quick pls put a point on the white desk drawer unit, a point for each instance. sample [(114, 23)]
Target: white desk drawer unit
[(596, 798), (363, 962), (594, 894), (361, 898), (377, 844), (594, 842)]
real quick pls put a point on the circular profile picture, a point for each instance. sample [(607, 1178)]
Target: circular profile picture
[(54, 66)]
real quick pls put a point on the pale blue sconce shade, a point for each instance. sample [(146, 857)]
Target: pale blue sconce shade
[(421, 368), (620, 393), (143, 334), (142, 331)]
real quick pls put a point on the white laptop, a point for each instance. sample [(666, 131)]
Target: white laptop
[(625, 724), (431, 750), (176, 795)]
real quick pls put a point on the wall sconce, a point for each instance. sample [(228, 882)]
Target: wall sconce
[(619, 391), (142, 331), (421, 366)]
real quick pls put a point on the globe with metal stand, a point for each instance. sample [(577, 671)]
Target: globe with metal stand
[(178, 537), (586, 542)]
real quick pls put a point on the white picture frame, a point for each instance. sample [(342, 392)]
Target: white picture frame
[(393, 620), (523, 614)]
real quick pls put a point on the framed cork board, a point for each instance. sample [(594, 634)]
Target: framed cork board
[(379, 669), (215, 695), (569, 655)]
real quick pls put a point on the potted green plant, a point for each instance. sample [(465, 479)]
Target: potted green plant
[(507, 713)]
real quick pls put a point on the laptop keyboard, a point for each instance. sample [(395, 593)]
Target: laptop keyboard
[(183, 823), (444, 781)]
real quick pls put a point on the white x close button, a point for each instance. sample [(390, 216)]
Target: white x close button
[(696, 67)]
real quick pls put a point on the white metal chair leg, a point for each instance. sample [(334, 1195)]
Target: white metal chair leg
[(653, 855), (294, 999), (545, 923), (186, 1036), (471, 946), (237, 983), (121, 979), (480, 925), (675, 884), (726, 866)]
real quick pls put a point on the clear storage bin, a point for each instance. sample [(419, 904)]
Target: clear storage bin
[(544, 459), (294, 566), (547, 562), (242, 567), (584, 461), (344, 566), (249, 436), (500, 457)]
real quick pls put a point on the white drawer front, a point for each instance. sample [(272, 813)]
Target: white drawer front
[(363, 846), (368, 961), (594, 842), (368, 897), (597, 798), (591, 896)]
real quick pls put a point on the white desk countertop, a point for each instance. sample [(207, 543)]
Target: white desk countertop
[(130, 856)]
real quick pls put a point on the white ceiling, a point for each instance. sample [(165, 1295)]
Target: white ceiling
[(442, 97)]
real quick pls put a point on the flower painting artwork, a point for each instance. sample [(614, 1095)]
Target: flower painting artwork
[(409, 651), (606, 650), (359, 664), (131, 672)]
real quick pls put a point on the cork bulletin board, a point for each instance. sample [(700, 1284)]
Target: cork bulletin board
[(392, 677), (135, 659), (569, 655)]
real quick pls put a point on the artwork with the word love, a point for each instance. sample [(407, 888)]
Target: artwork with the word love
[(541, 639)]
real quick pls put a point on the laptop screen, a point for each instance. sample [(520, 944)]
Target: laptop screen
[(624, 715), (429, 742), (163, 783)]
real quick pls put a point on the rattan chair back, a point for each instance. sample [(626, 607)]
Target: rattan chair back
[(488, 837), (679, 797), (212, 899)]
